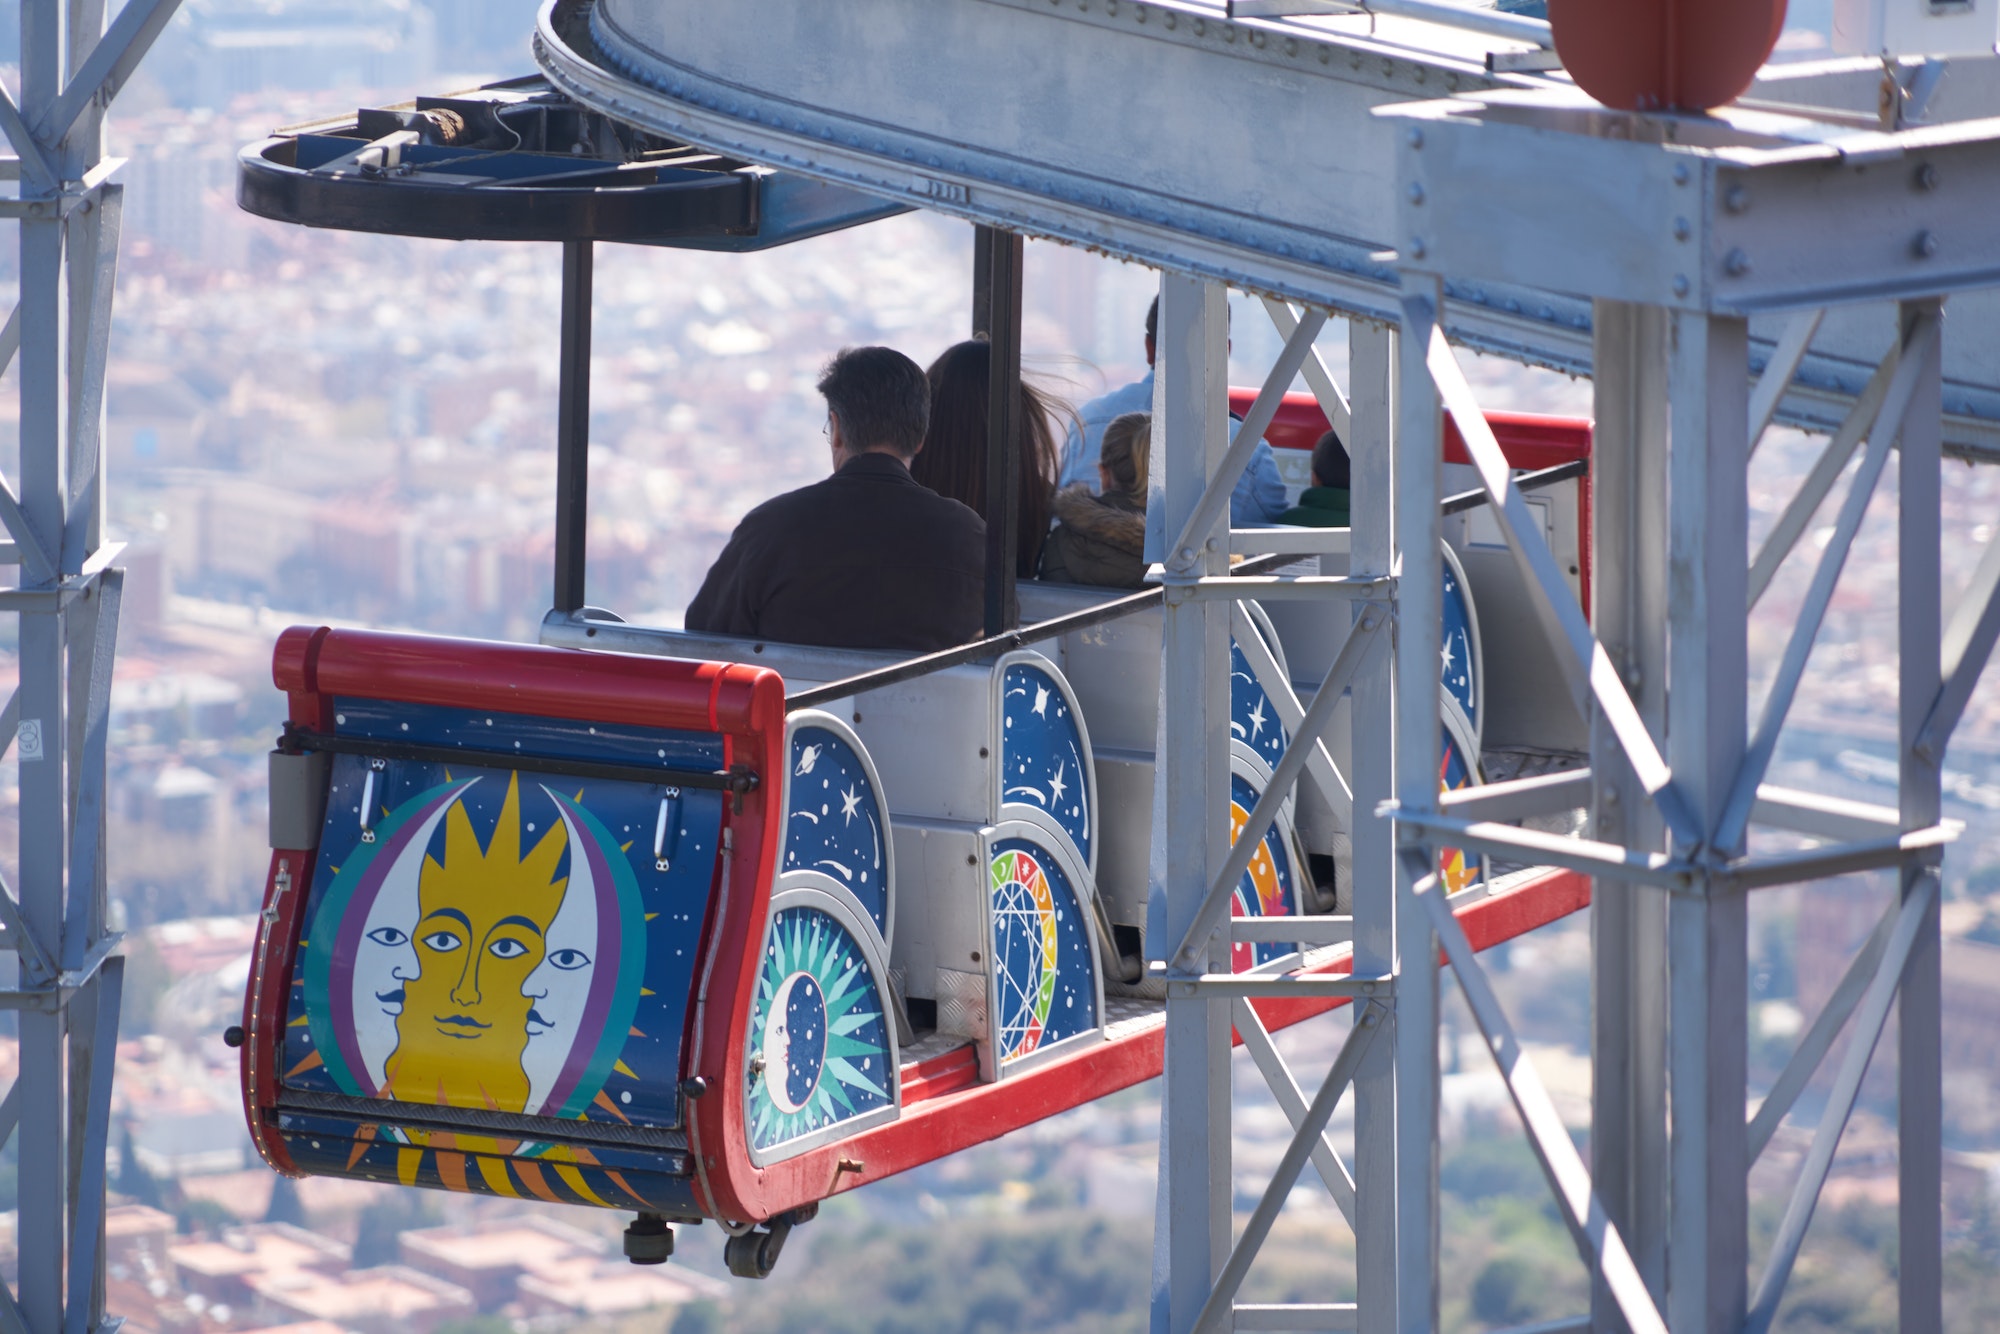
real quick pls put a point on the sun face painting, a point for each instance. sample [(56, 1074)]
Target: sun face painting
[(491, 968)]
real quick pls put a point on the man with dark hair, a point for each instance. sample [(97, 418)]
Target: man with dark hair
[(1259, 496), (1324, 504), (866, 558)]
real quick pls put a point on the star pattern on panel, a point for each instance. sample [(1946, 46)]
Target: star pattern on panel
[(834, 821), (1252, 716), (1042, 760)]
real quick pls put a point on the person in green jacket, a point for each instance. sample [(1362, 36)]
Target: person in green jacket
[(1324, 503)]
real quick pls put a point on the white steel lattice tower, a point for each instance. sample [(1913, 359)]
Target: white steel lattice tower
[(67, 209)]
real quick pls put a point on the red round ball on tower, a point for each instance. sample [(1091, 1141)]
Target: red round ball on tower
[(1657, 55)]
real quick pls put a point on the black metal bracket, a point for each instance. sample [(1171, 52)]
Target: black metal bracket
[(738, 780)]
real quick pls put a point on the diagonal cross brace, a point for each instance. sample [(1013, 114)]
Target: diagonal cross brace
[(1292, 1102), (1819, 1038), (10, 338), (35, 165), (1968, 643), (1215, 497), (107, 67), (1839, 1106), (1318, 378), (1586, 667), (1919, 346), (1826, 470), (1779, 370), (1209, 917), (34, 553), (1222, 1297), (1321, 772), (38, 966), (1596, 1236)]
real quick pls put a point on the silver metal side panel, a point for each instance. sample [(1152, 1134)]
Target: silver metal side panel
[(802, 666), (940, 903), (1125, 832), (1069, 119), (933, 739)]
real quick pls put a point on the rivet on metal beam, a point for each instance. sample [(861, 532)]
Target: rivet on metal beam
[(1736, 263), (1416, 139), (1736, 199), (1924, 245), (1927, 177), (1416, 192), (1682, 230), (1680, 284)]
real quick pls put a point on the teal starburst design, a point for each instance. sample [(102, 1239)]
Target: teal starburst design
[(819, 1046)]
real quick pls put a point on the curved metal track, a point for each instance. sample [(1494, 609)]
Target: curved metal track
[(1072, 120)]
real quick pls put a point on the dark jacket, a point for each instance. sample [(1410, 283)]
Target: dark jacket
[(865, 559), (1098, 540), (1319, 507)]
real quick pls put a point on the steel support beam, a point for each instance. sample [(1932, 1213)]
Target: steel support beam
[(1372, 384), (68, 227), (573, 429), (1628, 919), (1001, 292), (1708, 517), (1419, 455), (1189, 412), (1920, 1060)]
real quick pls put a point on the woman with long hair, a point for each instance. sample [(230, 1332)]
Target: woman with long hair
[(952, 461), (1101, 539)]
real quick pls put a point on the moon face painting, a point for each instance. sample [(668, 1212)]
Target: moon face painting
[(1457, 671), (1045, 984), (795, 1042), (1266, 889), (819, 1052), (1044, 762), (833, 824)]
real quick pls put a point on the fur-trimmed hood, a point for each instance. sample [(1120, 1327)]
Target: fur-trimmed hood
[(1114, 519)]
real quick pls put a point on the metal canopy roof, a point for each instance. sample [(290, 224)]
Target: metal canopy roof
[(1242, 150), (518, 161)]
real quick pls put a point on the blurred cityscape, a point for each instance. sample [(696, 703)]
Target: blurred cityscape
[(309, 426)]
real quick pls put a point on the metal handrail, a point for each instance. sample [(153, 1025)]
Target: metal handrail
[(1491, 23)]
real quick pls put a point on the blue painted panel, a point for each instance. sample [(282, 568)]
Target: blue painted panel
[(1043, 763), (1046, 981), (1253, 719), (835, 823), (1269, 887), (819, 1039), (1456, 671), (505, 939), (556, 738)]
